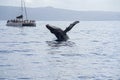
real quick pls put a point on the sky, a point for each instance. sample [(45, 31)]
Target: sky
[(84, 5)]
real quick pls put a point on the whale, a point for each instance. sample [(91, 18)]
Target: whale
[(60, 34)]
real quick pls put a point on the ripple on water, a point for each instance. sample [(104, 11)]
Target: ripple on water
[(59, 44), (3, 79), (95, 41), (6, 51), (72, 55), (14, 51), (86, 77), (23, 50), (36, 62), (28, 54), (24, 78), (54, 52), (98, 54), (5, 65)]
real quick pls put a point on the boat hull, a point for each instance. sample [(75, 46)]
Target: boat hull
[(21, 24), (29, 24)]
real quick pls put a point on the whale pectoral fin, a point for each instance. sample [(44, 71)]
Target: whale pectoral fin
[(51, 28), (70, 26)]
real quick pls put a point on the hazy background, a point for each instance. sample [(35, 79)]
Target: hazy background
[(87, 5), (88, 10)]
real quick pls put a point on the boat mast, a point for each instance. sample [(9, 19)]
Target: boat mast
[(23, 8)]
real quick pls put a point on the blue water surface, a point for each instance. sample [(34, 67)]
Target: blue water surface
[(91, 53)]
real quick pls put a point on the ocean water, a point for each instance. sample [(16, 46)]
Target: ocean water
[(91, 53)]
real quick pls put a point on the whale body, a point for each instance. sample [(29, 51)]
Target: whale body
[(59, 33)]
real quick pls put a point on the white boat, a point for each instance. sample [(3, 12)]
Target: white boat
[(21, 20), (21, 23)]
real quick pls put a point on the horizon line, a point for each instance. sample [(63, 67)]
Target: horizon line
[(61, 8)]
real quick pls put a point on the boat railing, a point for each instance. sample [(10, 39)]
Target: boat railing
[(21, 21)]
